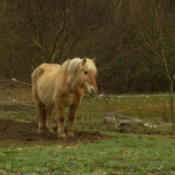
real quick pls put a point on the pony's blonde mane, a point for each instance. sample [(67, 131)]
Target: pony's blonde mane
[(71, 66)]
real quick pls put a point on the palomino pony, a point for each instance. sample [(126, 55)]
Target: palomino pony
[(58, 86)]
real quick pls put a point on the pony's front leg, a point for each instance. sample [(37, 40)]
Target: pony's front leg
[(72, 112), (61, 117)]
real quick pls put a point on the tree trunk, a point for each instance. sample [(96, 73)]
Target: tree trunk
[(172, 105)]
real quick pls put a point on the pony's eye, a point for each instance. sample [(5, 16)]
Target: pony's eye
[(86, 72)]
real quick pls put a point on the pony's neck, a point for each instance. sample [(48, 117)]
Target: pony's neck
[(74, 86), (70, 68)]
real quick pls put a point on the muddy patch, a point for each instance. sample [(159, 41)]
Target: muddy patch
[(17, 133)]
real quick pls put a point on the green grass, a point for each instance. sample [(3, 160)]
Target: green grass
[(126, 154), (155, 107), (147, 107), (14, 111)]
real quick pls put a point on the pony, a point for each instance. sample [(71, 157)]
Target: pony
[(57, 86)]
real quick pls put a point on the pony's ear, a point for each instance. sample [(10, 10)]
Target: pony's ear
[(83, 61)]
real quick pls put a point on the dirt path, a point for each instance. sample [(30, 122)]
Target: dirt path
[(19, 133)]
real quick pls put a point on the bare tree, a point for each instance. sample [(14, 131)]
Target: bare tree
[(55, 28), (155, 24)]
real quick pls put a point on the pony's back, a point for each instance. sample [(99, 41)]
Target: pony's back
[(44, 69), (43, 79)]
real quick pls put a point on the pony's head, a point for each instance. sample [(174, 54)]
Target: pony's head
[(86, 75), (84, 72)]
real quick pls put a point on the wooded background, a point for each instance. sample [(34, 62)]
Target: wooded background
[(133, 40)]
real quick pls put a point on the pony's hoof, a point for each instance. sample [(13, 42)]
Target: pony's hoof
[(62, 135), (70, 134), (51, 131)]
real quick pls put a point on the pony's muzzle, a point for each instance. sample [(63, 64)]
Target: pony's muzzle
[(90, 89), (93, 91)]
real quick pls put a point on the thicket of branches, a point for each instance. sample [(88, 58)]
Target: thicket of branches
[(133, 40)]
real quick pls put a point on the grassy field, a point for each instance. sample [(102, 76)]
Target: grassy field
[(154, 109), (123, 154)]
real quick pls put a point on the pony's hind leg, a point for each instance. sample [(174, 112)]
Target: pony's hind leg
[(40, 109), (40, 114), (70, 130), (41, 117), (49, 113)]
